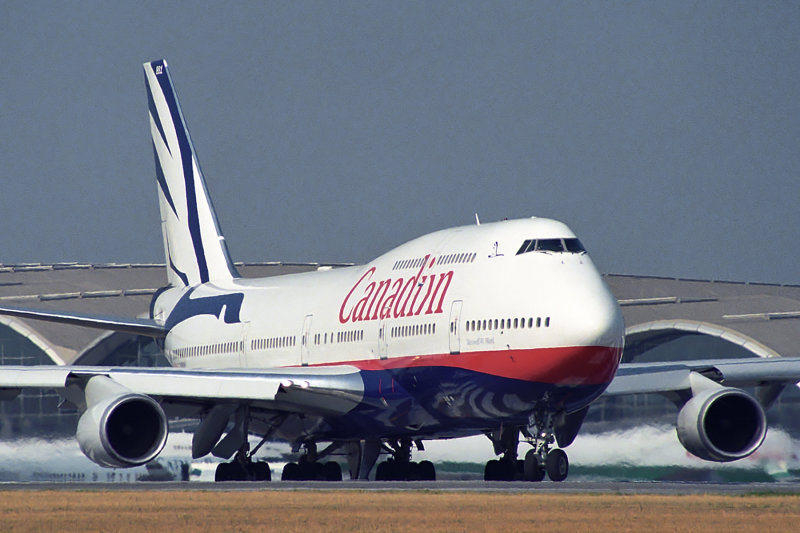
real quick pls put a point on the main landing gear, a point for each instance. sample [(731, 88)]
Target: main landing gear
[(309, 468), (243, 471), (540, 460), (400, 467), (243, 468)]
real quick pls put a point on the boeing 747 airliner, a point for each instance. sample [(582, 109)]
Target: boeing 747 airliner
[(505, 329)]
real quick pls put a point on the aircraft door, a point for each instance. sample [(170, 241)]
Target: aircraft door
[(455, 327), (305, 341), (244, 348), (383, 341)]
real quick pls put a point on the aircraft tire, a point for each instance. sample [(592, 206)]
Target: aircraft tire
[(380, 472), (492, 471), (221, 473), (230, 472), (332, 470), (427, 471), (532, 469), (386, 471), (413, 472), (508, 470), (291, 472), (557, 465), (259, 471)]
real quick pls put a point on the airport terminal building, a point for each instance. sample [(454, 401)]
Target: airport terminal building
[(666, 319)]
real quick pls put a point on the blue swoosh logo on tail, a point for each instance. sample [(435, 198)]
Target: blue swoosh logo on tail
[(188, 307)]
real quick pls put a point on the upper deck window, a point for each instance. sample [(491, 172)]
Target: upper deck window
[(571, 245)]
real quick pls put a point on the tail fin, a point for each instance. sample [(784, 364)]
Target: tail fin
[(195, 248)]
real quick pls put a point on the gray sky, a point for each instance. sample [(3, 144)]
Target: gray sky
[(666, 134)]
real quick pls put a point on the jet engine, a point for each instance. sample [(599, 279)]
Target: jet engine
[(722, 424), (120, 428)]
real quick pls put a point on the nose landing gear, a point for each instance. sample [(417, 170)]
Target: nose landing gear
[(542, 459)]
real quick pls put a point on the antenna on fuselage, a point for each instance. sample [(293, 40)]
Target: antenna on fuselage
[(477, 220)]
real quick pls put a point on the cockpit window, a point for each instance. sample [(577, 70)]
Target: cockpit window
[(524, 247), (549, 245), (571, 245), (574, 246)]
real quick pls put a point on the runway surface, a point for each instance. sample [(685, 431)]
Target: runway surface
[(567, 487)]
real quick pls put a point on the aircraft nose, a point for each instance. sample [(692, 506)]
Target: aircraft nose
[(595, 318)]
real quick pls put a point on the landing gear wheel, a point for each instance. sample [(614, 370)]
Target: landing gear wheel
[(259, 471), (385, 471), (233, 471), (291, 472), (427, 471), (532, 469), (492, 471), (332, 471), (557, 465), (413, 472), (221, 473)]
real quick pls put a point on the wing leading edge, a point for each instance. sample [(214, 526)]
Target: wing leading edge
[(637, 378), (136, 326), (324, 390)]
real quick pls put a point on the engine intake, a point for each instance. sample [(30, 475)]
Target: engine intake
[(722, 424), (120, 428)]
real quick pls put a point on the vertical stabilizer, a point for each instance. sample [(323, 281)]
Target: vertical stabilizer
[(195, 248)]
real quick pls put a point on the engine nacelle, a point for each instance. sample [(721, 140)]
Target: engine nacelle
[(722, 424), (120, 428)]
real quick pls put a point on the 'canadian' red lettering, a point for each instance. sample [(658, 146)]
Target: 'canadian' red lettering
[(396, 298)]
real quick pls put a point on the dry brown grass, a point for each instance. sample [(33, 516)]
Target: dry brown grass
[(356, 511)]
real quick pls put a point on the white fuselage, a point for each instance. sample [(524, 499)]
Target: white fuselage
[(454, 291)]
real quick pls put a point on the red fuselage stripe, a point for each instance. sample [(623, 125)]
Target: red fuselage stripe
[(576, 365)]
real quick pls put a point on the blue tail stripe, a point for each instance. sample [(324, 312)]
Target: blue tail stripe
[(154, 113), (183, 277), (188, 175), (162, 182)]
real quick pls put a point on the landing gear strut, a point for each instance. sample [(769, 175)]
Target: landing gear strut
[(400, 467), (242, 467), (508, 467)]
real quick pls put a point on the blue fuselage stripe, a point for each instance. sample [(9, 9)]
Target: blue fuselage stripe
[(447, 401)]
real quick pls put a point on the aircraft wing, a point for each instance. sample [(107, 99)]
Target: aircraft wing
[(635, 378), (136, 326), (324, 390)]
